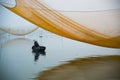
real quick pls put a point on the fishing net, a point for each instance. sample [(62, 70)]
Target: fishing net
[(94, 27)]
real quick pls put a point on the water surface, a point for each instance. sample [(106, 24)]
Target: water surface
[(17, 60)]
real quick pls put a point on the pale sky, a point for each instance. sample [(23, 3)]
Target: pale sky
[(75, 5), (83, 5)]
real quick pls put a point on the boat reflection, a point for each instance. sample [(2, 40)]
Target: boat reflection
[(37, 54)]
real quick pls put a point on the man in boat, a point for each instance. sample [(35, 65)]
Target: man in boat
[(36, 44)]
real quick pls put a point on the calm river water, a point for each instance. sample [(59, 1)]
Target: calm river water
[(17, 60)]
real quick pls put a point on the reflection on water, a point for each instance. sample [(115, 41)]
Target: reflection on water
[(37, 54), (17, 61), (94, 68)]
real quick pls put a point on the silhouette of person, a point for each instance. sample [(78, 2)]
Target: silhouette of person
[(35, 47), (36, 44)]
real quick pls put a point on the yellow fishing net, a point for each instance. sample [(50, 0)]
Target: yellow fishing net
[(99, 28)]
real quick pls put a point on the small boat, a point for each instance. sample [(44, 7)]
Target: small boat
[(37, 48)]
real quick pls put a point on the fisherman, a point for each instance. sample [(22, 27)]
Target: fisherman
[(36, 44), (37, 48)]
